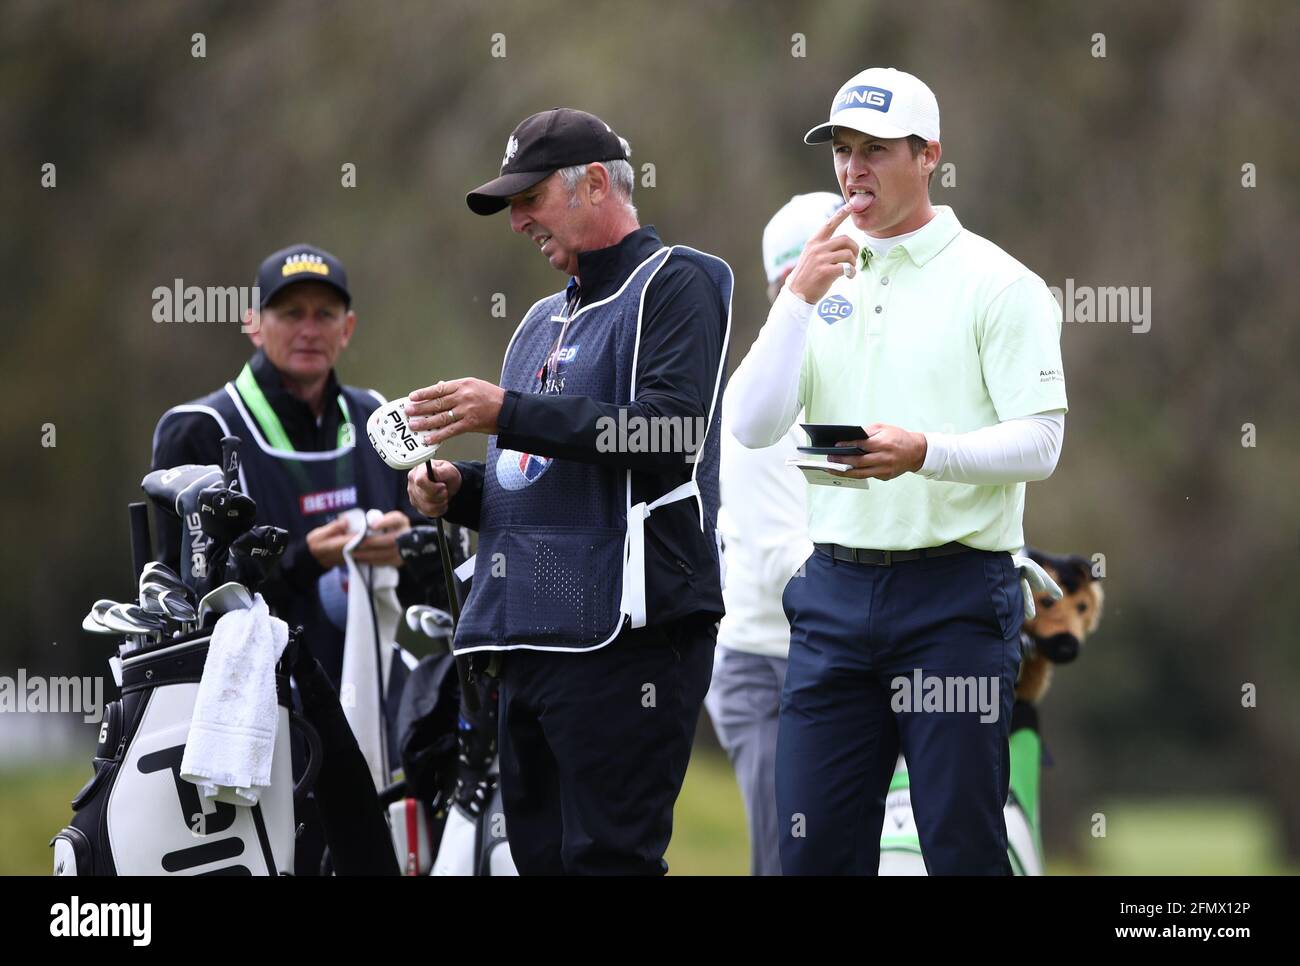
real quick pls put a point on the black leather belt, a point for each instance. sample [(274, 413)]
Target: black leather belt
[(886, 558)]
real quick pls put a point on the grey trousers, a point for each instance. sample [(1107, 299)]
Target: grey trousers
[(744, 700)]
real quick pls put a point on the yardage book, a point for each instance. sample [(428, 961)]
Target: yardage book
[(823, 473)]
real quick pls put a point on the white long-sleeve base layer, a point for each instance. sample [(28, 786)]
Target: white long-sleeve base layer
[(1016, 450), (766, 394)]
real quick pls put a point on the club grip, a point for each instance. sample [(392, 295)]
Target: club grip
[(141, 546), (229, 459)]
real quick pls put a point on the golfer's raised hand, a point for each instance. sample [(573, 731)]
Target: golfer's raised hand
[(823, 260), (451, 408), (431, 496)]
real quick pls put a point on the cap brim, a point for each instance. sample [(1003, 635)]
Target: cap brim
[(490, 198), (868, 122), (296, 279)]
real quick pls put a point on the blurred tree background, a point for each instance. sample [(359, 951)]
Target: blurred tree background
[(1122, 170)]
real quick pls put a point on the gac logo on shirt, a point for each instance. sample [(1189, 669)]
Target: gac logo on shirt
[(833, 308)]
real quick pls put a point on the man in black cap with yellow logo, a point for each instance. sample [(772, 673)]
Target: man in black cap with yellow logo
[(597, 571), (299, 458)]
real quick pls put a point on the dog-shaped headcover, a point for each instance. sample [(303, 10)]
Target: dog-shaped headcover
[(1058, 629)]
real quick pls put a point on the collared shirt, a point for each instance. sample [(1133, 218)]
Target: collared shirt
[(945, 333), (306, 432)]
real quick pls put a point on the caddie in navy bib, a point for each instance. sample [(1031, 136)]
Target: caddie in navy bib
[(560, 563)]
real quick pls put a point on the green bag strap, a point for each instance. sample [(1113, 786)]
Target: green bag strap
[(269, 422), (899, 782), (345, 437), (1026, 770)]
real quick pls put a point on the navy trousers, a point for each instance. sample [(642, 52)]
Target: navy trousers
[(921, 657), (594, 748)]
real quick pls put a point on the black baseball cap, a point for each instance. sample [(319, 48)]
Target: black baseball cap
[(541, 145), (301, 263)]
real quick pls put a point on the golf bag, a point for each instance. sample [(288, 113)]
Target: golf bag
[(900, 845), (137, 816), (453, 820)]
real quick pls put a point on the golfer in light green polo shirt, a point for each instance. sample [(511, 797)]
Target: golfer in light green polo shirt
[(944, 334), (905, 619)]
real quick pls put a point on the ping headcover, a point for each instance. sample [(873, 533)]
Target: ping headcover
[(393, 439)]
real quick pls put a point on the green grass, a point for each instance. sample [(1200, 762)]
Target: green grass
[(709, 832), (1207, 836), (1169, 836), (34, 804)]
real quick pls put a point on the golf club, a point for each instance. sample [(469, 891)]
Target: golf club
[(175, 491), (252, 554), (399, 446), (229, 596), (161, 575), (437, 624), (413, 615), (176, 608), (93, 621), (141, 549), (133, 619), (224, 515)]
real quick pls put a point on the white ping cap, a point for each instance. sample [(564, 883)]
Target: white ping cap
[(883, 102), (792, 226)]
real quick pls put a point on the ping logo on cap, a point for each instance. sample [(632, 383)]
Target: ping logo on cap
[(876, 98), (833, 308), (512, 147), (304, 262)]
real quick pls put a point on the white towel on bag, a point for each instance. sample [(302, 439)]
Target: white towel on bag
[(364, 663), (232, 733)]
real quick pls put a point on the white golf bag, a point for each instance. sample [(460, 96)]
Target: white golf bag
[(137, 816), (461, 836), (451, 820), (900, 845), (474, 837)]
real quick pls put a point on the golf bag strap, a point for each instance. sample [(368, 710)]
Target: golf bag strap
[(634, 562)]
